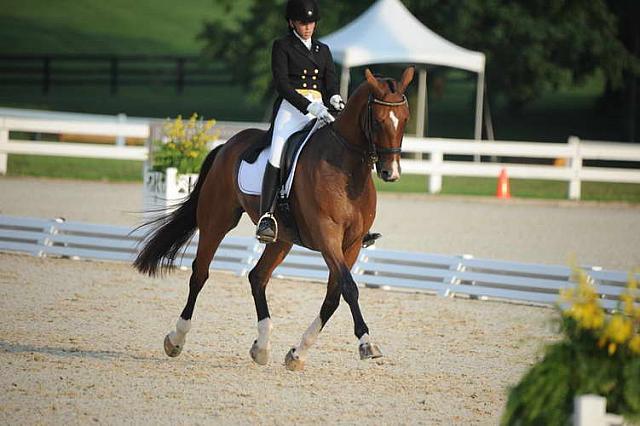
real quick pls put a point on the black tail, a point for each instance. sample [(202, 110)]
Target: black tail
[(170, 231)]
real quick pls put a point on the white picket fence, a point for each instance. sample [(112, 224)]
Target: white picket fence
[(444, 275), (574, 152)]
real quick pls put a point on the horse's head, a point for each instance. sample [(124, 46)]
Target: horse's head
[(384, 119)]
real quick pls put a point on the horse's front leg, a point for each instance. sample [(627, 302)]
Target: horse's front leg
[(296, 357), (259, 276), (350, 293)]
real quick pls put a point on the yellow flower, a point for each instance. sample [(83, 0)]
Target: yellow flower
[(584, 303), (619, 329), (634, 344)]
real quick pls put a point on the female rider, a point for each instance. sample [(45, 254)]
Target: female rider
[(305, 79)]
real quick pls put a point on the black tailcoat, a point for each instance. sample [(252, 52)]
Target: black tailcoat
[(295, 67)]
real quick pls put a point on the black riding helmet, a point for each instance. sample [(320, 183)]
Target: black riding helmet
[(302, 10)]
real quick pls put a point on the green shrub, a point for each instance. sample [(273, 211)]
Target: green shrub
[(598, 354)]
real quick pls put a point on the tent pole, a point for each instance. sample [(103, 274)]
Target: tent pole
[(344, 82), (479, 105), (422, 102)]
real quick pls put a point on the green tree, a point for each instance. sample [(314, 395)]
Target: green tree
[(531, 45)]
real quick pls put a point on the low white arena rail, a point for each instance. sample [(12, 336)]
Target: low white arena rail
[(451, 276)]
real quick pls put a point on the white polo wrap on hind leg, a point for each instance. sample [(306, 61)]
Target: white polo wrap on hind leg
[(309, 338), (265, 327), (365, 339), (178, 337)]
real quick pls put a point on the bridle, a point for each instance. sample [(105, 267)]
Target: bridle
[(373, 153)]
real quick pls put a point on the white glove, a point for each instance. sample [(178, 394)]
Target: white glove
[(337, 103), (317, 109), (326, 117)]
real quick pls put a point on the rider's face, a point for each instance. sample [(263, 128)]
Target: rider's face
[(304, 29)]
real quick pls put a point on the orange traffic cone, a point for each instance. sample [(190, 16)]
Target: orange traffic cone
[(503, 190)]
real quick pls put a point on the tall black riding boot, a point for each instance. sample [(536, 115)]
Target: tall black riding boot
[(267, 230)]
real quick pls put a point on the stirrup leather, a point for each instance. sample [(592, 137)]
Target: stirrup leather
[(271, 224)]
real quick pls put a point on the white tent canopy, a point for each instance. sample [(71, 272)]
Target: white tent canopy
[(388, 33)]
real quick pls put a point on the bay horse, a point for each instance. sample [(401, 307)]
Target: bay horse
[(333, 201)]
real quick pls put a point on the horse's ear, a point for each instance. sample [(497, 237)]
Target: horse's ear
[(407, 76), (374, 83)]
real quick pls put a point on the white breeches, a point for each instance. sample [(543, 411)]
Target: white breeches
[(288, 121)]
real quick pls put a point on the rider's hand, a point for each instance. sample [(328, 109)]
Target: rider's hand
[(316, 108), (337, 103), (320, 111), (326, 117)]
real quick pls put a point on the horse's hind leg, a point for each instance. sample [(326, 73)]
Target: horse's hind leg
[(211, 235), (296, 357), (259, 276)]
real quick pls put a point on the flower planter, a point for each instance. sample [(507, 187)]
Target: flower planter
[(166, 190)]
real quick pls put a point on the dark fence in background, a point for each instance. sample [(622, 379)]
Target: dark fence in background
[(115, 71)]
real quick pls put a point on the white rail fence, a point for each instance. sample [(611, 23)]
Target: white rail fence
[(75, 124), (574, 152), (459, 276)]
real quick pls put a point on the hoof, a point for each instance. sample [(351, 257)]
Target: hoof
[(259, 355), (292, 362), (171, 349), (369, 351)]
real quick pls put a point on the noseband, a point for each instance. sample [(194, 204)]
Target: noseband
[(373, 151)]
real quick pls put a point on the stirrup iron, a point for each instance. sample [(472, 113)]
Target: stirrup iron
[(266, 238)]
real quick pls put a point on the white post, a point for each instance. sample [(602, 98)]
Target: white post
[(591, 410), (344, 82), (421, 115), (4, 141), (435, 175), (122, 119), (576, 166), (479, 106), (171, 186)]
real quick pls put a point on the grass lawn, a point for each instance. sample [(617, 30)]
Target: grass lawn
[(219, 102), (131, 171), (520, 188), (75, 168), (95, 26)]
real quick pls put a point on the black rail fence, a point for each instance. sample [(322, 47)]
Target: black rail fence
[(114, 71)]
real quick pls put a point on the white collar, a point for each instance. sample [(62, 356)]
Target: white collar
[(307, 42)]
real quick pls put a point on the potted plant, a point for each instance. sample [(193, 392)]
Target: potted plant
[(175, 161), (598, 353)]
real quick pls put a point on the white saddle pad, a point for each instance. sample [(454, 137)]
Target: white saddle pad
[(250, 175)]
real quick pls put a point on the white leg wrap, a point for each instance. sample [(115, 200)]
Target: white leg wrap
[(309, 338), (178, 336), (365, 339), (265, 327)]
